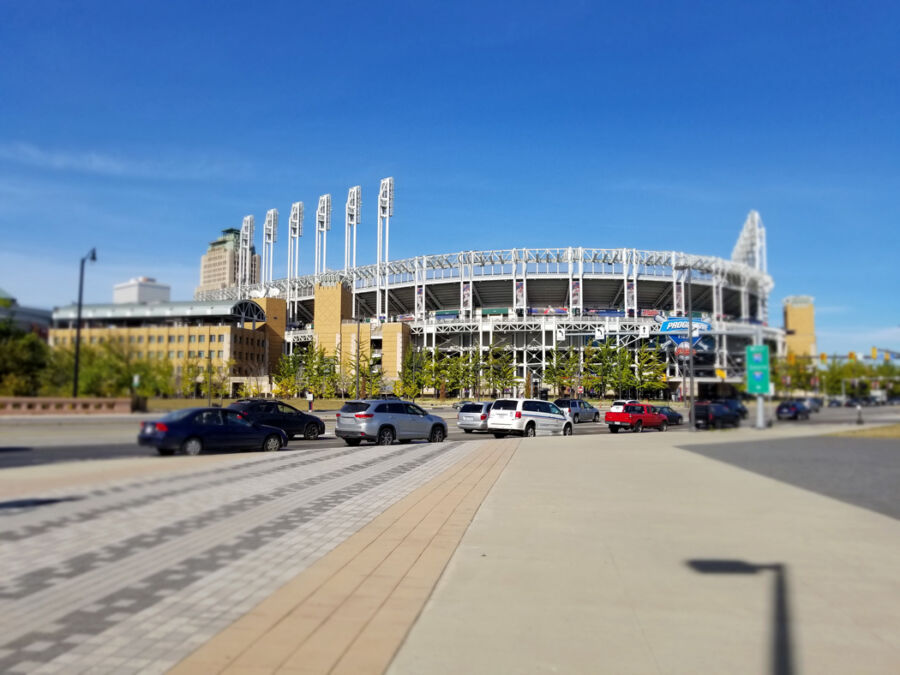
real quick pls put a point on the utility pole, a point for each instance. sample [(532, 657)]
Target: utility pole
[(92, 256), (690, 311)]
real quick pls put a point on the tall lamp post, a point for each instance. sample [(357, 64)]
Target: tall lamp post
[(92, 256), (690, 313)]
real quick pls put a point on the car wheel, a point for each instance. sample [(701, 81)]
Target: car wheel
[(311, 432), (737, 423), (613, 430), (638, 427), (496, 435), (575, 419), (597, 417), (164, 452), (192, 446), (567, 430), (468, 431), (385, 436), (717, 424), (352, 442), (437, 434), (530, 431), (663, 426), (271, 444)]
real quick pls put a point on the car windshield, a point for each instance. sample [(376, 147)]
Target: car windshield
[(354, 406), (505, 405)]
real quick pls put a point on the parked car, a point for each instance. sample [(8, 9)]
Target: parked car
[(734, 405), (834, 403), (672, 416), (637, 417), (578, 410), (473, 417), (291, 421), (852, 402), (792, 410), (527, 417), (619, 406), (715, 416), (383, 422), (811, 403), (193, 430), (460, 404)]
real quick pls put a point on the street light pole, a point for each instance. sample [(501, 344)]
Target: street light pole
[(92, 256), (690, 311)]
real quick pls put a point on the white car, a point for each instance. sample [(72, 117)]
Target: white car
[(619, 406), (527, 417)]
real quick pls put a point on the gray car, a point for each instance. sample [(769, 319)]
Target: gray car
[(474, 416), (383, 422)]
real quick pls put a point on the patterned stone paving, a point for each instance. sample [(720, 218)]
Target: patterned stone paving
[(131, 576)]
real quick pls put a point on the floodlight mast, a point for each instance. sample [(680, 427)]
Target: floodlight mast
[(385, 211), (295, 231), (323, 224), (245, 259), (270, 235), (354, 209)]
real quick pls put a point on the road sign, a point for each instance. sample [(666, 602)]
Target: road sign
[(757, 359), (580, 390)]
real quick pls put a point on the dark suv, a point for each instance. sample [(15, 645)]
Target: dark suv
[(733, 405), (277, 414), (715, 416)]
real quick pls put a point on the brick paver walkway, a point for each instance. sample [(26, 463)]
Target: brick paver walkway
[(132, 576)]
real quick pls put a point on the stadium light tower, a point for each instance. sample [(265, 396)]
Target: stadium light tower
[(354, 209), (245, 259), (270, 235), (385, 211), (323, 224), (295, 231)]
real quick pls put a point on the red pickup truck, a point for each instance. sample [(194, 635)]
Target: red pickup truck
[(637, 417)]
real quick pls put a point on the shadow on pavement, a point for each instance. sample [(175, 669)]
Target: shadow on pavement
[(31, 503), (782, 656)]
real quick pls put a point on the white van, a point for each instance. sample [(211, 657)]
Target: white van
[(527, 417)]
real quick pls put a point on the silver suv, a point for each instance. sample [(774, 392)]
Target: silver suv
[(527, 417), (473, 417), (383, 422), (578, 410)]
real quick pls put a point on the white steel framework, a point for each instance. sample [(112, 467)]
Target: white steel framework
[(295, 231), (352, 218), (245, 255), (323, 224), (270, 236), (385, 211)]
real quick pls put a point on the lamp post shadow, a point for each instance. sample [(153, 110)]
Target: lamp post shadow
[(781, 645)]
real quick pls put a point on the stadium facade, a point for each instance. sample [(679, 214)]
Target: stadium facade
[(527, 300)]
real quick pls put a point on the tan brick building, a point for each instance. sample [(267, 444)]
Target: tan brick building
[(800, 326)]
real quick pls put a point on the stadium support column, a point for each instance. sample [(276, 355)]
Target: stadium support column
[(745, 298), (295, 231), (385, 211), (576, 279), (420, 276), (520, 288), (629, 279), (677, 286), (718, 281), (323, 224), (465, 285), (245, 257)]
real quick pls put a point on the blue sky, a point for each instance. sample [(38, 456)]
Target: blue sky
[(143, 128)]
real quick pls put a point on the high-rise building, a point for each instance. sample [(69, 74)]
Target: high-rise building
[(800, 325), (219, 265), (141, 290)]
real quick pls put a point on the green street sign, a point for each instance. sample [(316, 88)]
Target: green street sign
[(757, 360)]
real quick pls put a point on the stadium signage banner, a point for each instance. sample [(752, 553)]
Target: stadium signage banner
[(676, 329)]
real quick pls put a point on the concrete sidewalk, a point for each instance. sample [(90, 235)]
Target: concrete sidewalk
[(579, 561)]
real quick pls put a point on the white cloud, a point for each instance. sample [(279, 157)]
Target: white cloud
[(93, 162)]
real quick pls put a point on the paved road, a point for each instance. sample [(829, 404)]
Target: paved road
[(860, 471), (36, 442)]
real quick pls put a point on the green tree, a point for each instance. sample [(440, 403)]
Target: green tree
[(23, 357), (191, 370), (598, 365), (562, 369), (621, 376), (413, 375), (649, 371), (498, 370)]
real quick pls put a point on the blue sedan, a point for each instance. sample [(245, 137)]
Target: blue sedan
[(671, 416), (193, 430)]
